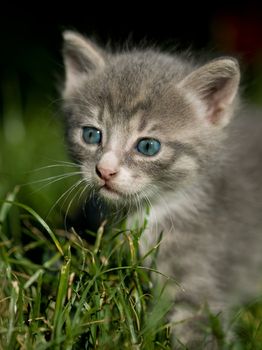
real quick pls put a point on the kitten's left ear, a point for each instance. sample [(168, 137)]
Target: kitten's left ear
[(81, 57), (216, 85)]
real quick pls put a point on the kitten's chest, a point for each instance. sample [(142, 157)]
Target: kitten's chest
[(172, 228)]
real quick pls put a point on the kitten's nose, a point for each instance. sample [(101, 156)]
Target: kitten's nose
[(105, 173)]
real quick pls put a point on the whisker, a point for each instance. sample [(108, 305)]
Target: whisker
[(84, 189), (62, 196), (54, 166), (55, 177), (52, 182), (71, 201), (79, 182)]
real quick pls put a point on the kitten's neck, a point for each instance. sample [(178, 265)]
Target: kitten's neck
[(184, 206)]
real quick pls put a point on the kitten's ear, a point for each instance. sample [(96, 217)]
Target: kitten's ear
[(216, 85), (81, 57)]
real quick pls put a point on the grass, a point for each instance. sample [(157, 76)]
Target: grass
[(60, 290), (74, 295)]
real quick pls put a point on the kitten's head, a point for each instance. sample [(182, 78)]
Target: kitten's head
[(142, 122)]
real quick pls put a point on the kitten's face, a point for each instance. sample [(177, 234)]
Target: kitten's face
[(132, 124), (135, 147)]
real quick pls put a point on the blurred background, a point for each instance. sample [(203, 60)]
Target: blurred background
[(31, 134)]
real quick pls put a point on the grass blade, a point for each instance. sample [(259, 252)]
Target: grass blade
[(41, 221)]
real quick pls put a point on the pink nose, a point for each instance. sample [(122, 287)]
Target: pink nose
[(105, 174)]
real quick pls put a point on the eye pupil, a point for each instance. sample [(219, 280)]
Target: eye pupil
[(92, 135), (148, 147)]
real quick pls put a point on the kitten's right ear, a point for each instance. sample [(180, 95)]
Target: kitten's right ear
[(81, 57)]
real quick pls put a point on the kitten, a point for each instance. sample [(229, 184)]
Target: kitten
[(158, 129)]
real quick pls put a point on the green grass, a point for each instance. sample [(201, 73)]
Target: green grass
[(74, 295), (58, 290)]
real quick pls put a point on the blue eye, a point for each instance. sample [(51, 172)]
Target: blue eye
[(92, 135), (148, 147)]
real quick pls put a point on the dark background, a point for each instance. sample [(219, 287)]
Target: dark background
[(31, 40)]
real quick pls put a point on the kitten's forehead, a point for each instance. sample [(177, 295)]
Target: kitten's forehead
[(149, 116), (131, 92), (132, 80)]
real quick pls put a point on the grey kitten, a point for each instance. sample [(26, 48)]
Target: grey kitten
[(151, 128)]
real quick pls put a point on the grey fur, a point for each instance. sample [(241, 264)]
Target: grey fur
[(208, 172)]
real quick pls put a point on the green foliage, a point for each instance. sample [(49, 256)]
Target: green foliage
[(75, 295), (60, 292)]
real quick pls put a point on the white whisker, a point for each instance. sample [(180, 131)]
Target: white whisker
[(72, 199), (68, 191), (70, 165), (59, 178)]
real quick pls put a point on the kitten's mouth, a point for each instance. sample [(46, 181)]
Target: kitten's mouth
[(108, 190)]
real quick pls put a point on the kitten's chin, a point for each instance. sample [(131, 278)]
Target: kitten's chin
[(110, 193)]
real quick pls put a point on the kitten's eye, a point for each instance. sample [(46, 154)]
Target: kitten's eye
[(92, 135), (148, 147)]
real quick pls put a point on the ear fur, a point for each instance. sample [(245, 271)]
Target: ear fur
[(81, 57), (215, 84)]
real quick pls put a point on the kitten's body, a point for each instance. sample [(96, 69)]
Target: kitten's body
[(215, 226), (203, 186), (213, 232)]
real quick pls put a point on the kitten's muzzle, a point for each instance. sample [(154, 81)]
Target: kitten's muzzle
[(106, 175)]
